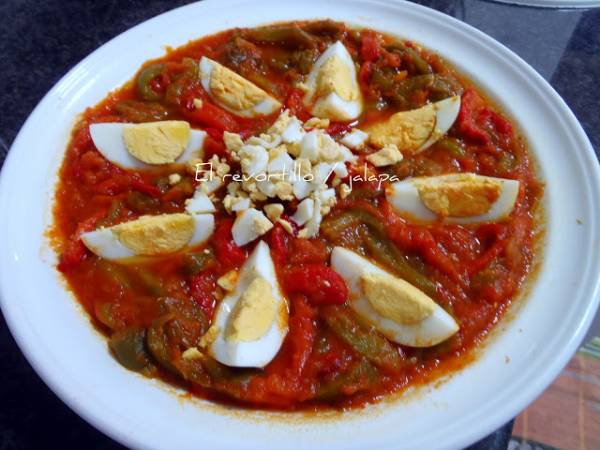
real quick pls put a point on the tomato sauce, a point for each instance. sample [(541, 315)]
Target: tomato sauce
[(165, 304)]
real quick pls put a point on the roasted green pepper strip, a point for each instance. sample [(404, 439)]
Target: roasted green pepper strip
[(403, 90), (191, 67), (365, 194), (179, 327), (118, 274), (420, 65), (194, 263), (303, 60), (263, 82), (142, 203), (112, 215), (360, 376), (383, 78), (366, 342), (332, 227), (443, 87), (152, 284), (325, 28), (453, 146), (417, 63), (127, 276), (129, 348), (185, 79), (105, 315), (144, 82), (207, 372), (140, 112), (158, 343), (175, 89), (291, 36)]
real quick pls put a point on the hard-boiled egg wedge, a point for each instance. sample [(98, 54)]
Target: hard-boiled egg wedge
[(144, 145), (234, 93), (400, 311), (415, 130), (332, 90), (251, 322), (456, 198), (150, 235)]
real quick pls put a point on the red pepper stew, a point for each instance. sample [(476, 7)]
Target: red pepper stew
[(152, 311)]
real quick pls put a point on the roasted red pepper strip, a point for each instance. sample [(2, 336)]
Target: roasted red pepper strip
[(336, 128), (278, 243), (308, 251), (202, 290), (145, 188), (471, 106), (319, 283), (420, 240), (298, 344), (208, 115), (228, 254), (501, 125), (364, 73), (75, 251), (370, 49), (214, 146), (295, 103), (497, 237)]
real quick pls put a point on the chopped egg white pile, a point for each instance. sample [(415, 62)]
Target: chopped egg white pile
[(150, 235), (400, 311), (144, 145), (251, 322), (291, 161), (456, 198)]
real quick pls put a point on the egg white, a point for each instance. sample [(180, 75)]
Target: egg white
[(104, 243), (405, 200), (108, 139), (345, 110), (267, 106), (244, 229), (260, 352), (199, 203), (446, 112), (434, 329)]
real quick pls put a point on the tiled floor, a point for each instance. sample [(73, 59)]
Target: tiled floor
[(567, 414)]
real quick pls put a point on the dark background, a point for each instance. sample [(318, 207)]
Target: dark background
[(41, 40)]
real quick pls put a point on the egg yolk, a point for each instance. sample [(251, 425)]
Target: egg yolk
[(395, 299), (156, 235), (408, 130), (253, 314), (464, 197), (233, 91), (157, 142)]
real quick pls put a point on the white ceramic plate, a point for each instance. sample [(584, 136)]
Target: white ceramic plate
[(526, 356)]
